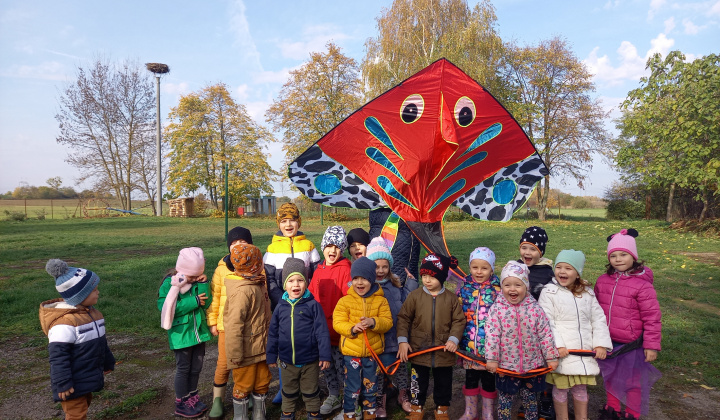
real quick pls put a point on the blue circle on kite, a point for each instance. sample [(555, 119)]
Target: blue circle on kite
[(504, 191), (327, 184)]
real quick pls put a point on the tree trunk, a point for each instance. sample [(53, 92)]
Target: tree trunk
[(706, 201), (543, 193), (648, 206), (668, 216)]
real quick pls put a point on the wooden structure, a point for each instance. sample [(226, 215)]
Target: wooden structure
[(182, 207), (260, 205)]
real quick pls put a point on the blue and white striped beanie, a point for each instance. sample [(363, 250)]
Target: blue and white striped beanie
[(73, 284)]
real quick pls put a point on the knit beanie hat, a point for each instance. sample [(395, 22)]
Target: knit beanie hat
[(364, 267), (623, 241), (536, 236), (518, 270), (293, 266), (239, 233), (247, 260), (378, 250), (358, 235), (190, 262), (334, 235), (73, 284), (288, 211), (437, 265), (575, 258), (485, 254)]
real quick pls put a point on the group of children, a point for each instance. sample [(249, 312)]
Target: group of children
[(288, 310)]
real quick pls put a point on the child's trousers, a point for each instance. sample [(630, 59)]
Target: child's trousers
[(420, 380), (252, 378), (297, 382), (360, 378), (188, 365), (77, 408), (334, 374), (529, 402), (222, 373)]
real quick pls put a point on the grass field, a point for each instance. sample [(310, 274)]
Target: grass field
[(131, 255)]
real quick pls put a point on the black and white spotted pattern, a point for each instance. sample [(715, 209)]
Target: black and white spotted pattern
[(479, 202), (354, 192)]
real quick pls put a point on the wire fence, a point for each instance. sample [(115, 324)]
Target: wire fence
[(69, 208)]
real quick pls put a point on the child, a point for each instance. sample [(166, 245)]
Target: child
[(431, 316), (517, 346), (627, 296), (299, 335), (287, 242), (183, 298), (358, 240), (78, 349), (246, 320), (395, 294), (330, 283), (363, 310), (477, 293), (237, 235), (577, 322)]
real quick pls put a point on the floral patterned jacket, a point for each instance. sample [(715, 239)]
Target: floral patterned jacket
[(476, 299), (519, 336)]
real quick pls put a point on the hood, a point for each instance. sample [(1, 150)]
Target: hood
[(225, 262), (644, 274), (54, 309)]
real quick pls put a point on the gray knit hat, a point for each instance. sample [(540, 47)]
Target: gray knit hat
[(364, 267), (293, 266), (73, 284)]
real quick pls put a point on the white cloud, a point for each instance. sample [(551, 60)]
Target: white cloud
[(690, 27), (661, 44), (655, 6), (48, 70), (669, 25), (243, 39), (241, 92), (275, 77), (62, 54), (314, 39), (176, 89), (714, 9)]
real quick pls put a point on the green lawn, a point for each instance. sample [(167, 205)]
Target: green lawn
[(131, 254)]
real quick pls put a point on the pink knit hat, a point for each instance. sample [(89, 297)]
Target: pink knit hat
[(190, 262), (623, 241)]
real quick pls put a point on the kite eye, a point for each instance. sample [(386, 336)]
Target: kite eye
[(464, 111), (412, 108)]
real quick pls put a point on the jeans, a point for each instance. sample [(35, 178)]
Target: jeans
[(360, 378)]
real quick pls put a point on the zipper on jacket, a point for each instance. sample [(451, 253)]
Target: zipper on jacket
[(432, 343), (292, 330), (364, 314), (197, 333), (520, 340), (612, 298), (577, 312)]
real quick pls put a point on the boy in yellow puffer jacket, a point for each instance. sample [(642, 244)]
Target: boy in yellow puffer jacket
[(364, 309)]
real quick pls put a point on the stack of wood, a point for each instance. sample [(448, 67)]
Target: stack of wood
[(181, 207)]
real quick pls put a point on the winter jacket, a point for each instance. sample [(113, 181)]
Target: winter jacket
[(395, 297), (347, 313), (577, 323), (246, 319), (427, 321), (78, 349), (189, 327), (540, 275), (518, 336), (631, 307), (298, 332), (406, 249), (280, 249), (215, 311), (476, 299), (329, 283)]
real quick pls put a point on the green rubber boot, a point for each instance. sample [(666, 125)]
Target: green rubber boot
[(217, 411)]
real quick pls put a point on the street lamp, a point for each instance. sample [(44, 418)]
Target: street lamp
[(158, 69)]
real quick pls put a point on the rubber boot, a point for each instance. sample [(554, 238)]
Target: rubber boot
[(442, 413), (580, 408), (240, 409), (416, 413), (561, 410), (278, 398), (489, 404), (471, 403), (217, 412), (258, 410)]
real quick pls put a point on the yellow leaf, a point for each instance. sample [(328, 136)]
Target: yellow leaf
[(682, 266), (706, 387)]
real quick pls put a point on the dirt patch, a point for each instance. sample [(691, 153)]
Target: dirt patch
[(147, 364), (714, 310), (712, 258)]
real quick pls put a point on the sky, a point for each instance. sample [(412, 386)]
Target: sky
[(251, 46)]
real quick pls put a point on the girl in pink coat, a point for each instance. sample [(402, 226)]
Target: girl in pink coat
[(627, 296), (518, 337)]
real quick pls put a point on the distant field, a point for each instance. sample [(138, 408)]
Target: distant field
[(68, 208)]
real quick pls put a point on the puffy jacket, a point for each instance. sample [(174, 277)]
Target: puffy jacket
[(215, 311), (476, 299), (347, 313), (395, 297), (631, 307), (298, 332), (280, 249), (427, 321), (577, 323), (540, 274), (78, 349), (246, 320), (189, 327), (518, 336), (330, 283)]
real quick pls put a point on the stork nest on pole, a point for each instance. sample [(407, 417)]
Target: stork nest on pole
[(157, 68)]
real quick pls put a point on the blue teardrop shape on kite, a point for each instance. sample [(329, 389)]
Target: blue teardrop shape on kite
[(504, 191), (484, 137), (457, 186), (376, 129), (389, 188), (377, 156), (471, 161), (327, 184)]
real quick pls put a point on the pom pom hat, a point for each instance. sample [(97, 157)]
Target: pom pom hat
[(438, 266), (517, 270), (292, 267), (239, 233), (623, 241), (73, 284), (485, 254), (575, 258), (535, 236), (334, 235), (378, 250), (288, 211), (365, 268)]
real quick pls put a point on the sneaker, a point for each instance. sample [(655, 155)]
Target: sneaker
[(609, 413), (331, 403), (194, 400), (185, 409), (358, 411)]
